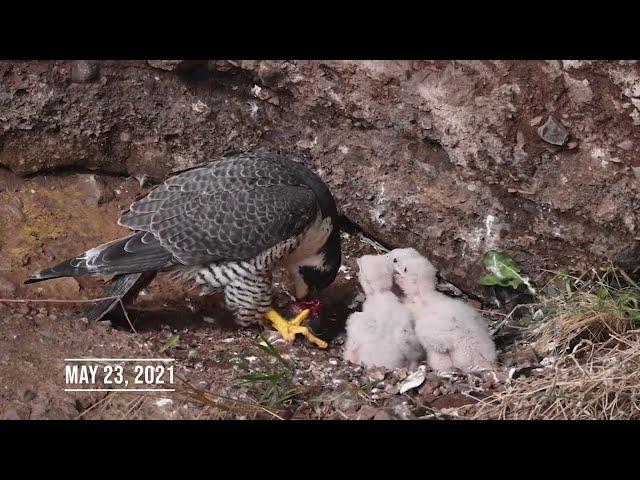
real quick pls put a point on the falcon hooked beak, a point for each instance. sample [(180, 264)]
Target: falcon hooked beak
[(314, 273)]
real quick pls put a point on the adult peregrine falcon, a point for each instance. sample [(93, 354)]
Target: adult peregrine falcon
[(226, 225)]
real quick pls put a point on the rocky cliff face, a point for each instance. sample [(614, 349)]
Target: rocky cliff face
[(539, 158)]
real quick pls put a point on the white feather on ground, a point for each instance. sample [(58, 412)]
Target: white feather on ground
[(452, 332), (382, 334)]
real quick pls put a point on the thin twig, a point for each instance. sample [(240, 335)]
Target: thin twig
[(201, 395), (99, 402), (126, 315), (57, 300), (54, 300)]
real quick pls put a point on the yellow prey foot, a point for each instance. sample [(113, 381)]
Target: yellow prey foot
[(289, 330)]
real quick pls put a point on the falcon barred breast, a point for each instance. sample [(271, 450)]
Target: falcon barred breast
[(226, 225)]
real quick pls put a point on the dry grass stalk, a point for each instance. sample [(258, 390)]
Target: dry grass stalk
[(594, 339), (223, 404)]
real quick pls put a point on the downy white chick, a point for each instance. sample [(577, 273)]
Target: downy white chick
[(452, 332), (382, 334)]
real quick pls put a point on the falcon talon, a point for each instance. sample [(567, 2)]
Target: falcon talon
[(312, 338), (301, 317), (289, 329)]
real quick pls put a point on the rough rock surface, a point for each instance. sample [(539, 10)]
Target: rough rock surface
[(444, 156)]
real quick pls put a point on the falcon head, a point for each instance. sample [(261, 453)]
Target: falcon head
[(318, 271)]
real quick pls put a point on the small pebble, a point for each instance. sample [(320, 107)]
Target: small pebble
[(553, 132), (11, 414), (83, 71), (28, 395), (626, 145)]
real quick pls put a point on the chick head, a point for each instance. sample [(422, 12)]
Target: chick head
[(376, 273), (413, 272)]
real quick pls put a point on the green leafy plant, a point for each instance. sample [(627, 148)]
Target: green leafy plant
[(626, 301), (173, 341), (273, 376), (565, 278), (504, 271)]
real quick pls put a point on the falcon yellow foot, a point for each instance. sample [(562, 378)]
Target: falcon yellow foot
[(289, 329)]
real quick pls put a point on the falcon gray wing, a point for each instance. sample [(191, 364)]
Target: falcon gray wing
[(232, 210)]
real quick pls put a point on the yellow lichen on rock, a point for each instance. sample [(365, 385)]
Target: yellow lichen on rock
[(58, 222)]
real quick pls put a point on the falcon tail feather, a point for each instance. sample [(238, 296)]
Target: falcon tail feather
[(125, 287), (139, 252)]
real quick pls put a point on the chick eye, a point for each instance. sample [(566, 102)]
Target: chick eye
[(405, 269), (395, 260)]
